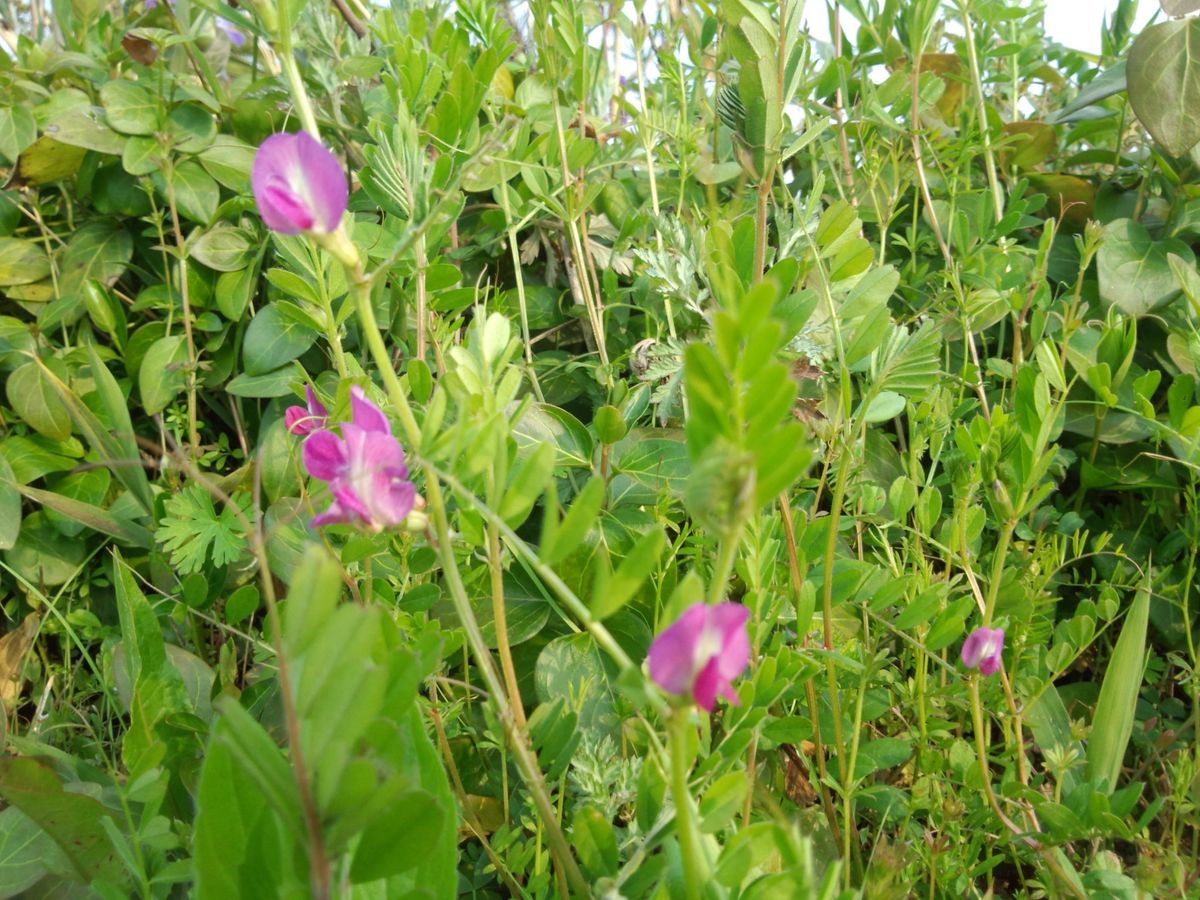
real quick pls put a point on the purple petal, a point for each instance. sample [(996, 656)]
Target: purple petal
[(324, 455), (672, 655), (392, 499), (708, 684), (298, 184), (333, 515), (349, 500), (315, 406), (729, 619), (990, 663), (982, 645), (365, 414), (326, 182), (368, 452), (231, 32), (298, 420)]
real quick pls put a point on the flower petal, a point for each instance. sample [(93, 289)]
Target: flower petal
[(672, 656), (708, 684), (325, 180), (324, 455), (333, 515), (315, 406), (365, 414), (391, 499), (729, 619)]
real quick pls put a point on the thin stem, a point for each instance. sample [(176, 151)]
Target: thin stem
[(526, 761), (695, 867), (989, 159), (500, 619), (193, 429)]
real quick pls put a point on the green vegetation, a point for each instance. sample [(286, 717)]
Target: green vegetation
[(680, 318)]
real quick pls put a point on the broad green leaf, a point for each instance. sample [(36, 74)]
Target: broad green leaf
[(1112, 723), (240, 849), (22, 262), (223, 247), (1164, 83), (163, 373), (572, 666), (98, 250), (1135, 272), (130, 107), (119, 447), (27, 853), (1110, 81), (229, 160), (35, 400), (47, 160), (593, 838), (40, 554), (273, 339), (195, 192), (18, 130), (71, 819), (10, 506), (82, 126)]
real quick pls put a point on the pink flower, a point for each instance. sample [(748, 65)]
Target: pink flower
[(364, 467), (298, 185), (303, 420), (982, 648), (702, 652)]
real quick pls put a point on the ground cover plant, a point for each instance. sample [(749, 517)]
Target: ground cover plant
[(597, 449)]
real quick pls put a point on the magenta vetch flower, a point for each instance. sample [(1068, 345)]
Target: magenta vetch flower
[(364, 467), (982, 648), (298, 184), (303, 420), (702, 653)]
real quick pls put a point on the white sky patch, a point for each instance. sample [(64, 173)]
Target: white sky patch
[(1073, 23)]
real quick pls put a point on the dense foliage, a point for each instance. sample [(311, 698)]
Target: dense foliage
[(863, 375)]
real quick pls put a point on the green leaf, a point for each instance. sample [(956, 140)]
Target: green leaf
[(18, 129), (407, 826), (272, 384), (1135, 270), (163, 373), (26, 853), (196, 193), (70, 818), (241, 848), (40, 554), (94, 517), (22, 262), (558, 541), (196, 535), (1112, 723), (1164, 83), (619, 588), (572, 666), (273, 339), (81, 126), (35, 400), (98, 250), (528, 482), (10, 506), (223, 247), (47, 160), (129, 107), (593, 837), (229, 161), (722, 801)]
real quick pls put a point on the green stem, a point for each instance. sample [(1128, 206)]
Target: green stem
[(989, 159), (526, 761), (695, 865), (998, 558)]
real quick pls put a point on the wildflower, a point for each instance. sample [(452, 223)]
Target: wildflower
[(982, 648), (298, 185), (304, 420), (702, 652), (364, 467)]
